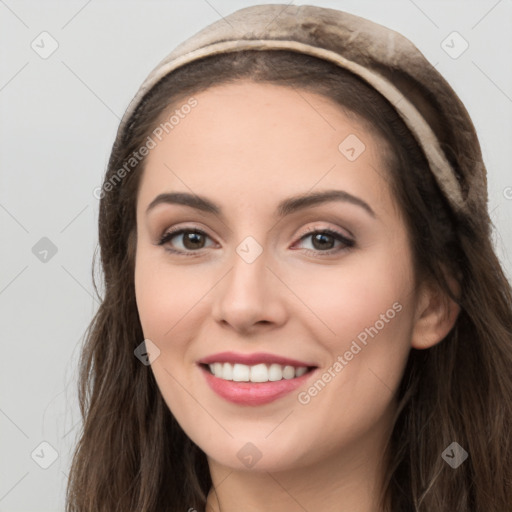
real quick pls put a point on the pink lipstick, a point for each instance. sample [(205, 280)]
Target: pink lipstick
[(254, 379)]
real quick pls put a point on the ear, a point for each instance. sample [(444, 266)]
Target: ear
[(435, 315)]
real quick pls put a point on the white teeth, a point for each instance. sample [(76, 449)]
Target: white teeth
[(275, 372), (217, 368), (300, 371), (241, 372), (256, 373), (227, 371), (288, 372), (259, 373)]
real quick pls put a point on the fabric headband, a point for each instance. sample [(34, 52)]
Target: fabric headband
[(385, 59)]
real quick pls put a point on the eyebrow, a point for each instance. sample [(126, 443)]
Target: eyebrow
[(285, 207)]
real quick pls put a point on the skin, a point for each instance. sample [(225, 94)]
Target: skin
[(246, 147)]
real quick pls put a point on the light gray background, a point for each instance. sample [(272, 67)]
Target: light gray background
[(58, 120)]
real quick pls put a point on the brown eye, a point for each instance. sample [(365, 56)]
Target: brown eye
[(324, 241), (190, 240)]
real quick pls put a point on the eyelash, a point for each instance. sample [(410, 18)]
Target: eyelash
[(348, 243)]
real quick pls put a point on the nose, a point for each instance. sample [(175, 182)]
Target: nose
[(250, 296)]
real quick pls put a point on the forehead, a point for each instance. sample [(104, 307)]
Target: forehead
[(257, 142)]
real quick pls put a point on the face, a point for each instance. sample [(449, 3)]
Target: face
[(325, 285)]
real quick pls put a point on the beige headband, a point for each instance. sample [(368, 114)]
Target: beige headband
[(382, 57)]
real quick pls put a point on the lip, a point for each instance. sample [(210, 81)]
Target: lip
[(253, 393), (253, 359)]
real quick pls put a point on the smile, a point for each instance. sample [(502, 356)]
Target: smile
[(256, 373), (254, 379)]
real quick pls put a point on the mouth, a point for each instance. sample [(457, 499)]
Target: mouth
[(256, 384), (258, 373)]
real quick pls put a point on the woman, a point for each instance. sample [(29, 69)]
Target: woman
[(303, 309)]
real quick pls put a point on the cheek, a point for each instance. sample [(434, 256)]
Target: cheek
[(369, 314), (366, 318), (168, 298), (366, 289), (165, 293)]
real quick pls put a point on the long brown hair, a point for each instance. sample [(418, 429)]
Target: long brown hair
[(133, 456)]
